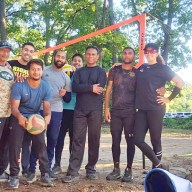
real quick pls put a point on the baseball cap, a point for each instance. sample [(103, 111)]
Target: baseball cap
[(151, 45), (5, 44)]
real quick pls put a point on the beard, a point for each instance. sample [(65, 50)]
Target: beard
[(59, 64), (128, 62), (35, 79)]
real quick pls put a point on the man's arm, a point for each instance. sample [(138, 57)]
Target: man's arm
[(15, 112), (107, 101), (80, 88), (47, 112)]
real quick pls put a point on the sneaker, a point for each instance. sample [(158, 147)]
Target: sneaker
[(46, 181), (13, 182), (4, 177), (70, 178), (114, 175), (57, 170), (31, 178), (92, 176), (52, 175), (127, 177)]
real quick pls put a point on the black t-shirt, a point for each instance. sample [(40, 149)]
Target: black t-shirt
[(84, 79), (123, 88), (19, 70), (148, 79)]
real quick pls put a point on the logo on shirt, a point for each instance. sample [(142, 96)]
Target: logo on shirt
[(132, 74), (141, 70), (6, 76)]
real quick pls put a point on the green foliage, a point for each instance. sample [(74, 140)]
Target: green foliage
[(177, 123), (182, 102), (51, 22)]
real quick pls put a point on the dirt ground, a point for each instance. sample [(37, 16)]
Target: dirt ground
[(177, 152)]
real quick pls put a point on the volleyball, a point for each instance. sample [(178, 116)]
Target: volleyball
[(35, 124)]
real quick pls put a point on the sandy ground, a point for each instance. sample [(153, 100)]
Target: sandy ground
[(177, 152)]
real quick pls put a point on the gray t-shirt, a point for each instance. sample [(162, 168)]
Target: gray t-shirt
[(56, 80)]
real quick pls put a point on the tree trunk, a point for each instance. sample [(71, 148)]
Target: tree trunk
[(112, 21), (104, 14), (47, 23), (2, 20), (165, 47)]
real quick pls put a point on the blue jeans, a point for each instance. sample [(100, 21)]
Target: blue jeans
[(52, 136)]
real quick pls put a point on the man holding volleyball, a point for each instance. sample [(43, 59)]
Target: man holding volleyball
[(26, 99)]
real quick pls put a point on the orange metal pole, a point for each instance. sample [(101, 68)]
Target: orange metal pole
[(141, 18)]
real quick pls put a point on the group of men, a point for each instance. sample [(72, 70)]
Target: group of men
[(79, 110)]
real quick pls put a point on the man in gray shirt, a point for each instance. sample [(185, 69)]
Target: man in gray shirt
[(60, 85)]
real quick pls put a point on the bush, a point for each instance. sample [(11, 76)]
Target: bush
[(177, 123)]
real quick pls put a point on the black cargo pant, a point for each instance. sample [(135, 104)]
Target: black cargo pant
[(15, 145), (4, 144), (82, 121)]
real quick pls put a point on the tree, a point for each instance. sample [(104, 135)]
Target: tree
[(2, 20), (169, 24)]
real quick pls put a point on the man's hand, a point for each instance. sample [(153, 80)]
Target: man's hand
[(22, 121), (107, 116), (20, 79), (62, 92), (47, 120), (161, 91), (162, 100), (115, 65), (97, 89)]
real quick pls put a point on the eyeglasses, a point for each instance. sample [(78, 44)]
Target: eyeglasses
[(152, 51)]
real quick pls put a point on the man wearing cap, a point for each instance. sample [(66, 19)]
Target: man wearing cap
[(6, 82), (20, 71)]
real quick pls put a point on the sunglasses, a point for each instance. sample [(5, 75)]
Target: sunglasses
[(152, 51)]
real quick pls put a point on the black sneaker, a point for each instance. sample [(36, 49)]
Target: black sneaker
[(92, 176), (56, 170), (4, 177), (13, 182), (127, 177), (114, 175), (46, 181), (70, 178), (31, 177)]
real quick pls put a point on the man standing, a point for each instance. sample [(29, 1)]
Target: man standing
[(19, 66), (89, 82), (26, 99), (6, 82), (60, 85), (121, 82), (20, 70), (68, 114)]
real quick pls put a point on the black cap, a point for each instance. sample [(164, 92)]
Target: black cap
[(5, 44), (151, 45)]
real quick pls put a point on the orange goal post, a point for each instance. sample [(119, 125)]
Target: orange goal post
[(139, 18)]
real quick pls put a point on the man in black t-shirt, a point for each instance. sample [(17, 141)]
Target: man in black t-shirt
[(89, 82), (121, 83), (19, 66), (20, 71)]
